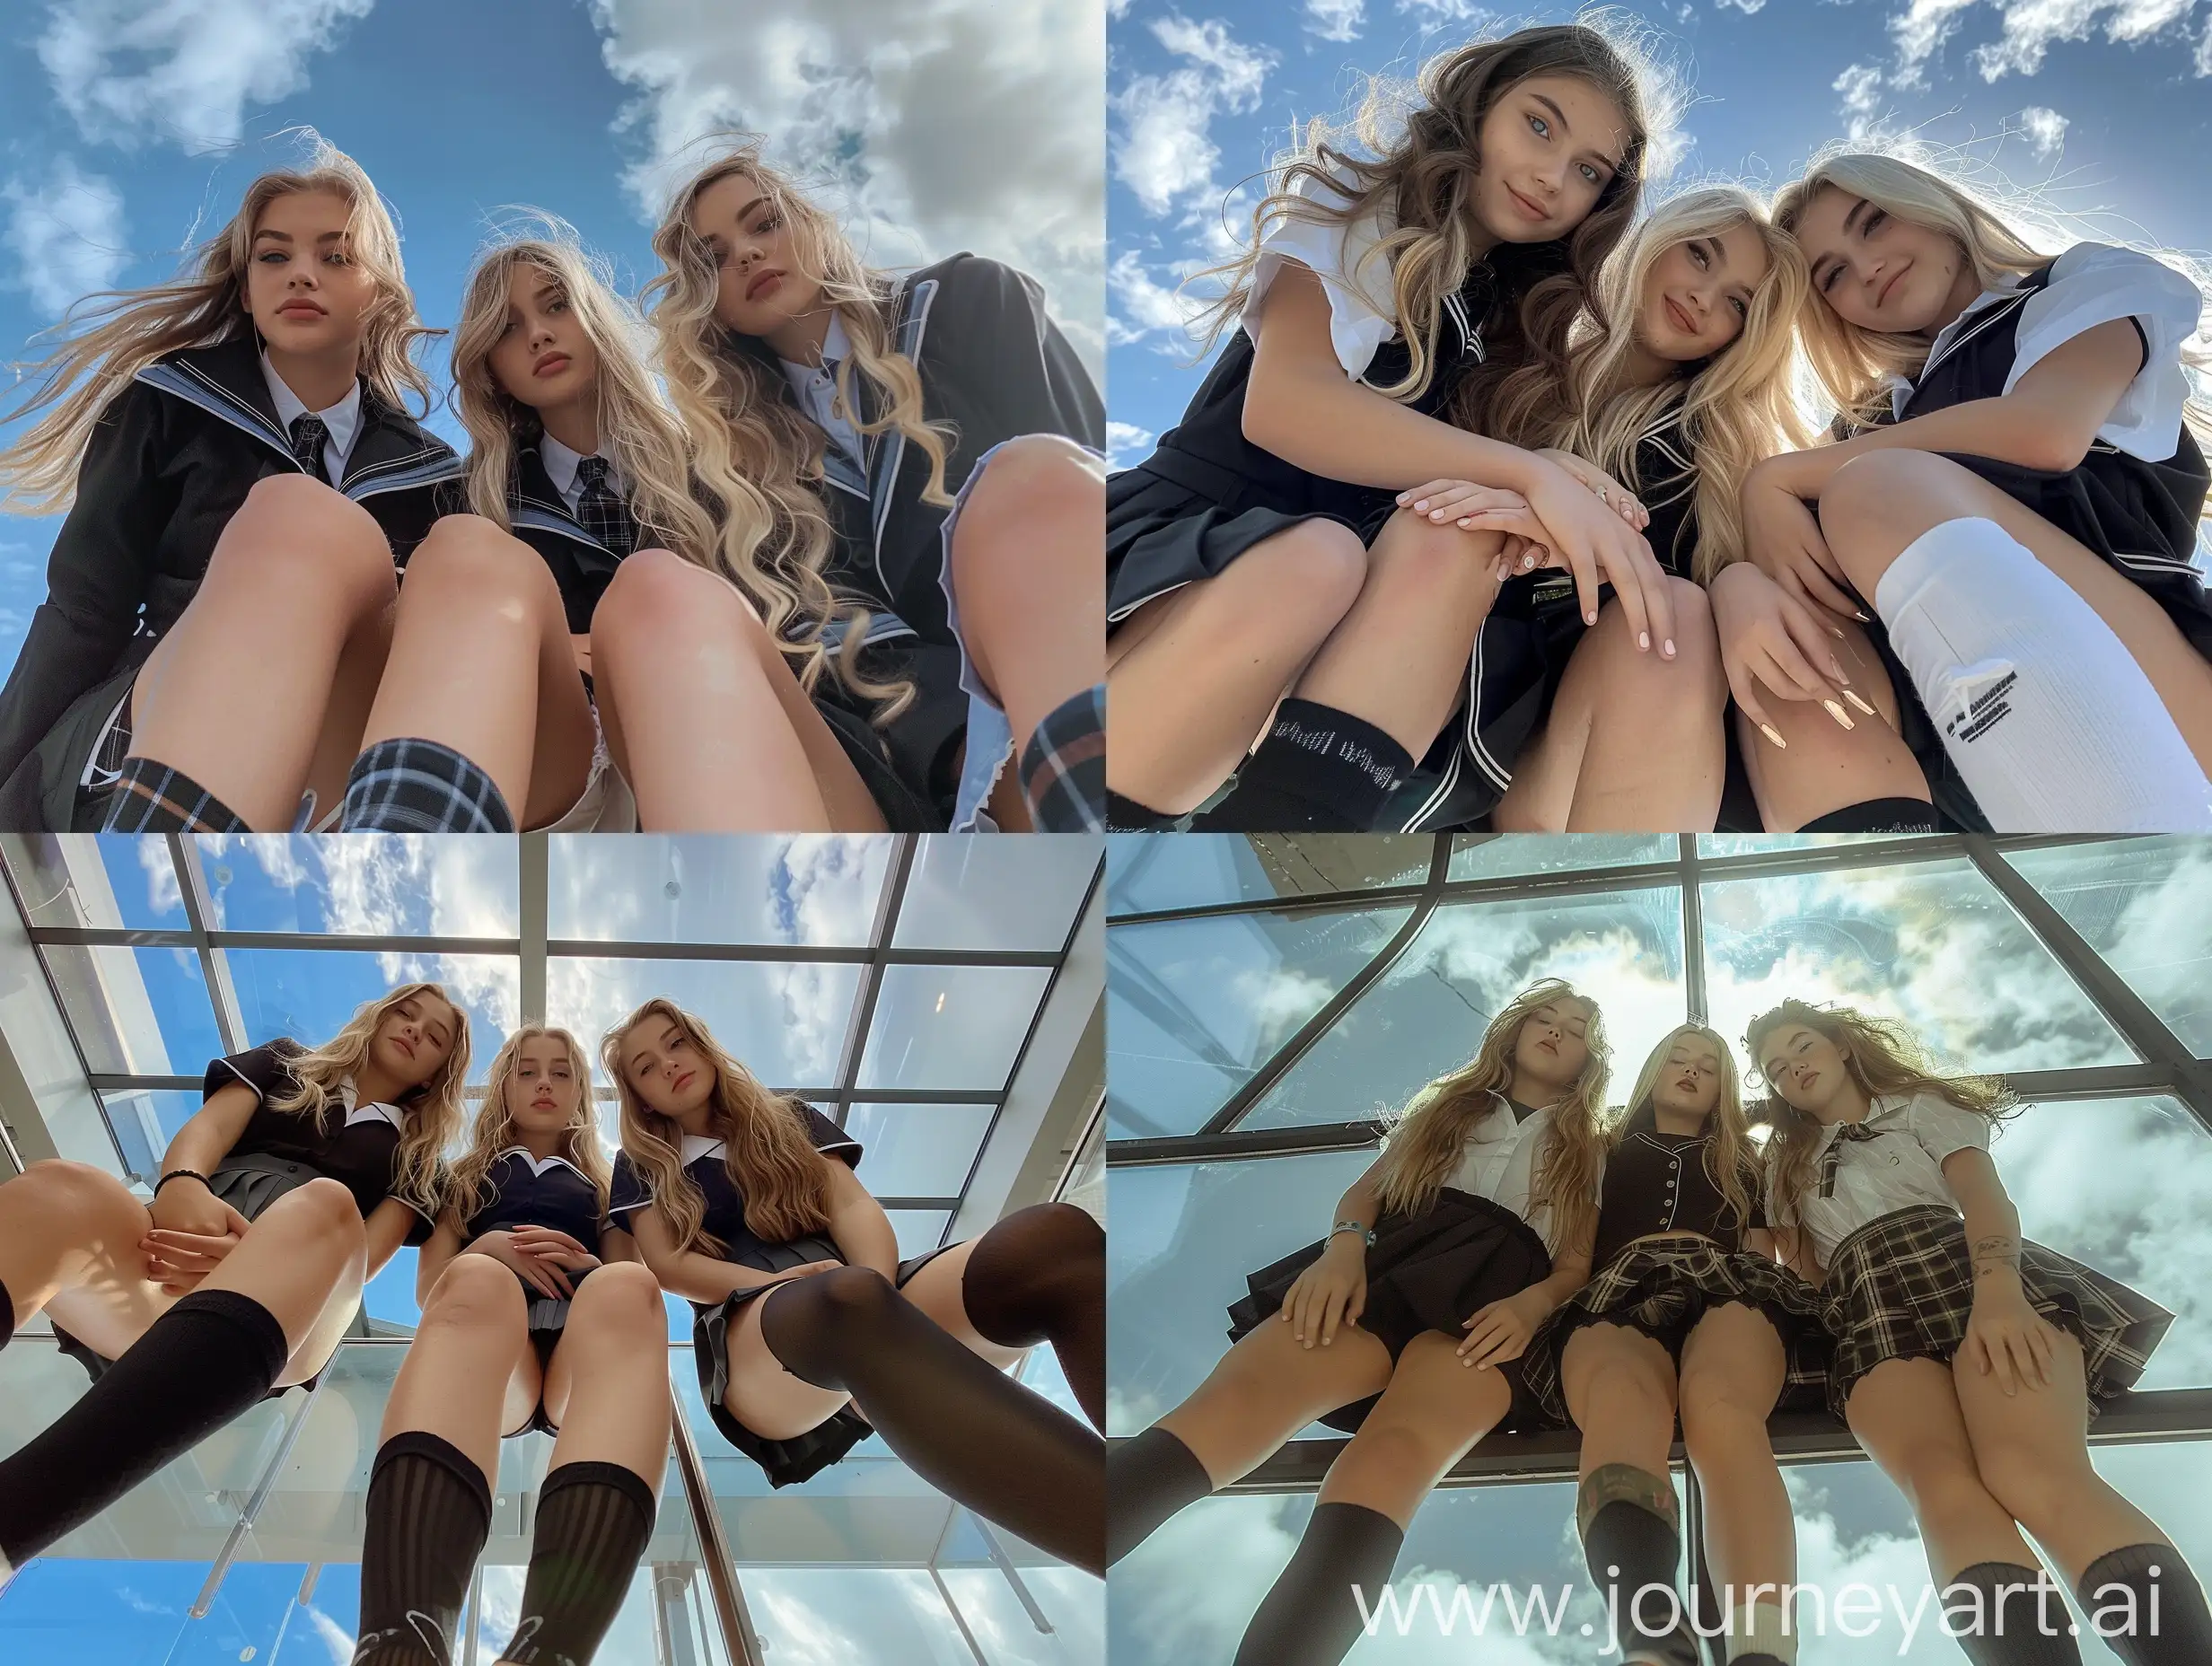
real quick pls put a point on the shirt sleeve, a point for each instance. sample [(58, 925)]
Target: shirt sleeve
[(626, 1193), (830, 1139), (263, 1069), (1355, 276), (2093, 283), (1943, 1127)]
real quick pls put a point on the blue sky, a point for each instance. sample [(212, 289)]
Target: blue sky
[(2102, 106), (129, 128)]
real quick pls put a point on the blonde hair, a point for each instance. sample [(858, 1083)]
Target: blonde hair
[(1737, 407), (759, 458), (468, 1185), (1731, 1155), (1427, 1137), (636, 430), (1883, 1057), (1420, 171), (771, 1160), (431, 1112), (130, 329)]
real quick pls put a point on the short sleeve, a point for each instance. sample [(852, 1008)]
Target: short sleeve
[(627, 1192), (2093, 283), (1362, 311), (419, 1225), (264, 1069), (830, 1139), (1943, 1127)]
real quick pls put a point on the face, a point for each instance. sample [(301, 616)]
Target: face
[(1689, 1082), (1553, 1045), (1803, 1066), (1697, 294), (1550, 144), (665, 1067), (415, 1039), (1875, 269), (543, 356), (759, 282), (303, 287), (544, 1091)]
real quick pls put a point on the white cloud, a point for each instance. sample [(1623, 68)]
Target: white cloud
[(2045, 130), (2028, 28), (64, 234), (1745, 7), (1434, 12), (1336, 20), (1126, 444), (1164, 151), (1142, 304), (945, 124), (182, 70), (1860, 86)]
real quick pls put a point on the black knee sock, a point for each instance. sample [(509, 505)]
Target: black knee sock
[(1310, 1615), (429, 1513), (967, 1429), (150, 797), (1063, 768), (7, 1316), (1125, 815), (413, 786), (1319, 770), (199, 1365), (2161, 1620), (593, 1519), (1040, 1276), (1148, 1480), (2008, 1628), (1631, 1545), (1878, 815)]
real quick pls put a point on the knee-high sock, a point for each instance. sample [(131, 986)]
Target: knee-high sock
[(1319, 770), (413, 786), (2048, 717), (1040, 1276), (429, 1513), (1062, 767), (968, 1430), (593, 1519), (7, 1316), (151, 797), (1629, 1534), (2007, 1623), (1312, 1616), (200, 1364), (2154, 1607), (1148, 1480)]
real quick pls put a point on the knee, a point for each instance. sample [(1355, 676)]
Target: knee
[(324, 1208), (620, 1293), (349, 548), (1310, 573), (79, 1193), (1038, 480), (1875, 504), (844, 1298), (1059, 1232), (1402, 1447), (1417, 559), (470, 555), (1625, 1384), (2028, 1483), (475, 1290), (1942, 1485), (1692, 687), (1717, 1407), (656, 591)]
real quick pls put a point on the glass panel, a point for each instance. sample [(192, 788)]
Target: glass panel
[(993, 893), (145, 1121), (785, 1020), (1146, 872), (310, 995), (1932, 944), (1194, 1007), (918, 1230), (2145, 904), (1074, 1604), (950, 1026), (1756, 844), (137, 1011), (1494, 856), (1426, 1015), (691, 888), (918, 1151), (392, 883)]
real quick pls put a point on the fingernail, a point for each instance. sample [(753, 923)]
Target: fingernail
[(1774, 734), (1835, 710), (1864, 618), (1422, 505), (1469, 521), (1401, 499), (1670, 649), (1642, 639), (1527, 562), (1852, 695), (1837, 630), (1590, 618)]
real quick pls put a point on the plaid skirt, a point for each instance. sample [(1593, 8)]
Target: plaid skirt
[(1902, 1287), (1664, 1289)]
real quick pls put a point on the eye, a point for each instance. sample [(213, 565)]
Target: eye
[(1742, 307), (1592, 174), (1697, 253), (1539, 126), (1828, 277), (1875, 217)]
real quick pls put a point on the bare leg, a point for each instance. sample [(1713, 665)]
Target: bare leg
[(1619, 1388), (763, 1396), (471, 1374), (1431, 1414), (306, 578), (1824, 767), (606, 1388), (1905, 1413), (1732, 1368), (1267, 1388), (936, 1291)]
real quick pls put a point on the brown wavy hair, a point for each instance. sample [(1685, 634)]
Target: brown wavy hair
[(469, 1188)]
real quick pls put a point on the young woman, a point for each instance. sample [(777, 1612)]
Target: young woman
[(811, 1331), (1968, 1360), (1401, 1327), (240, 479), (1400, 315), (523, 1327), (1688, 1313), (300, 1174), (1681, 382), (909, 465), (2018, 505)]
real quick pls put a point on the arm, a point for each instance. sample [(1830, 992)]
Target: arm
[(186, 1206), (2004, 1335), (617, 1245), (858, 1224), (432, 1259), (1333, 1291), (689, 1273), (387, 1228), (1500, 1330)]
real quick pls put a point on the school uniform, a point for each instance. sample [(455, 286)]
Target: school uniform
[(1656, 1183), (526, 1190), (995, 366), (278, 1152), (2134, 499), (706, 1163), (1885, 1222), (1484, 1238), (170, 461)]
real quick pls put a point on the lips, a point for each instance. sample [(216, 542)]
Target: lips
[(684, 1080), (1682, 319), (404, 1045), (300, 309), (552, 364), (1534, 210), (761, 283), (1548, 1042), (1882, 298)]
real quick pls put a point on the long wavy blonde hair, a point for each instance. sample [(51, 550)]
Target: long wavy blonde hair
[(108, 337), (468, 1187), (1855, 365), (637, 429), (1883, 1057), (430, 1113), (771, 1160), (1427, 1137), (1417, 161), (759, 457), (1737, 407), (1732, 1158)]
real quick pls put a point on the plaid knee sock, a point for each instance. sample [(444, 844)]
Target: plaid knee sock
[(1063, 766), (412, 785), (150, 797)]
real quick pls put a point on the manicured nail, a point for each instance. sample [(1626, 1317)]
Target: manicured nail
[(1402, 496), (1590, 618), (1864, 618), (1422, 508), (1670, 647), (1528, 561), (1835, 710), (1774, 734), (1852, 696), (1467, 521), (1642, 639), (1837, 630)]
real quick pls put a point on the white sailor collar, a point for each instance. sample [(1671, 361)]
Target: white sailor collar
[(343, 419), (539, 1165), (349, 1095), (697, 1145)]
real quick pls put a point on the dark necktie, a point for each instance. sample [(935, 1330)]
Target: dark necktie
[(599, 508), (309, 435), (1832, 1158)]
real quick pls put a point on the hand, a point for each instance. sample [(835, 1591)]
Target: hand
[(807, 1270), (1598, 547), (1475, 508), (1610, 491), (549, 1245), (1498, 1331), (1784, 538), (2005, 1336), (177, 1261), (1767, 637), (186, 1206), (1331, 1293), (547, 1277)]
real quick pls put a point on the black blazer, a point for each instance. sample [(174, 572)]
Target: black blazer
[(582, 565), (170, 461)]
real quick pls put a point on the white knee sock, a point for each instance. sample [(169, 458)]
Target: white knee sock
[(2052, 723)]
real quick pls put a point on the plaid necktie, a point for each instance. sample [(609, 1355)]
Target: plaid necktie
[(308, 437), (600, 510), (1832, 1158)]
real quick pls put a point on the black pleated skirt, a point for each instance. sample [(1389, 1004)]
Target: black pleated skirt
[(1161, 534)]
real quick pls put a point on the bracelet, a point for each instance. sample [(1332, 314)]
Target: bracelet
[(1361, 1227), (182, 1174)]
